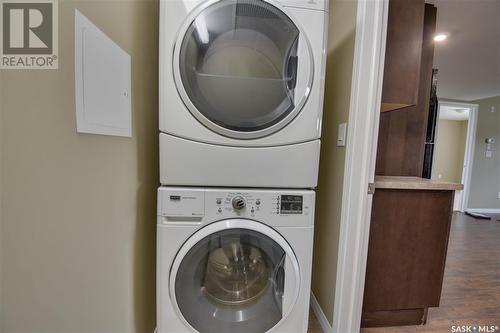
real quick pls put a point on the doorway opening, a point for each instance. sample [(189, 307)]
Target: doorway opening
[(454, 147)]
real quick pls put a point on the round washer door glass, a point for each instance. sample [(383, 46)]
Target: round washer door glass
[(244, 67), (232, 281)]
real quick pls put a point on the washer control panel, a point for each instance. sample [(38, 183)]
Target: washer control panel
[(249, 203), (205, 205)]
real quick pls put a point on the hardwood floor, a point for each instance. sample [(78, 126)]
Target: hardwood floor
[(471, 287)]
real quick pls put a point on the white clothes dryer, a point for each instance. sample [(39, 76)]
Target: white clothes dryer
[(234, 260), (241, 83)]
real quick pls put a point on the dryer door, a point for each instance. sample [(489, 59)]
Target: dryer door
[(243, 68), (234, 276)]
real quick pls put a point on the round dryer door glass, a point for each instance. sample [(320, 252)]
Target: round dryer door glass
[(232, 281), (245, 67)]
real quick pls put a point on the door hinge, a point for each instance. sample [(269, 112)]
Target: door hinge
[(371, 188)]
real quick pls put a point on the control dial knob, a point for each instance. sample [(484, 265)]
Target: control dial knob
[(238, 202)]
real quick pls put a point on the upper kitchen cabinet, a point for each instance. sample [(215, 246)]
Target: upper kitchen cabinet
[(403, 54), (402, 133)]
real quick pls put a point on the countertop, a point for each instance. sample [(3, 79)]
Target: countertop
[(414, 183)]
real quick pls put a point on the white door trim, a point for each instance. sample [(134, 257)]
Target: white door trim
[(364, 116), (469, 149), (469, 156)]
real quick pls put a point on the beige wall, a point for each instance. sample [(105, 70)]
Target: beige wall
[(329, 198), (78, 210), (485, 180), (450, 150)]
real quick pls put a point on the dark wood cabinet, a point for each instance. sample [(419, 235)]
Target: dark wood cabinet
[(403, 54), (411, 217), (402, 132), (406, 255)]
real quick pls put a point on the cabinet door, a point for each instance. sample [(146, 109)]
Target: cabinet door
[(407, 249), (403, 54), (402, 132)]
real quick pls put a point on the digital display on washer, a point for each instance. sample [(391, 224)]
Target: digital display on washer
[(291, 204)]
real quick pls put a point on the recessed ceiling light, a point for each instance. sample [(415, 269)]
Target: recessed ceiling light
[(440, 37)]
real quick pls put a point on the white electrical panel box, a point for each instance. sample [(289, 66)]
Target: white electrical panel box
[(102, 82)]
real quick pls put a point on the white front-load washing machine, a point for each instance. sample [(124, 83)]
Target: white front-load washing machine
[(233, 260), (241, 88)]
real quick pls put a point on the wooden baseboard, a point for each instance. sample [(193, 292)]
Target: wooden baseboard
[(394, 318)]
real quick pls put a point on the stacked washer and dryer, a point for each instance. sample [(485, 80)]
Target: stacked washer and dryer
[(241, 99)]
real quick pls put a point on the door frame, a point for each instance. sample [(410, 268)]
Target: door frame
[(361, 150), (470, 144)]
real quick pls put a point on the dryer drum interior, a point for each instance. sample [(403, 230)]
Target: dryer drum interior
[(238, 64), (232, 280)]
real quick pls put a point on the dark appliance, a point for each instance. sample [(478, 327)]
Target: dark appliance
[(431, 128)]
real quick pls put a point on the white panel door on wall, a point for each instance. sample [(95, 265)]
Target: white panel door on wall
[(102, 82)]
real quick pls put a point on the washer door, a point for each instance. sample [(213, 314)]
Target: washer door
[(234, 276), (242, 67)]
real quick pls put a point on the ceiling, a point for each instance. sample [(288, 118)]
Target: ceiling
[(453, 112), (469, 60)]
